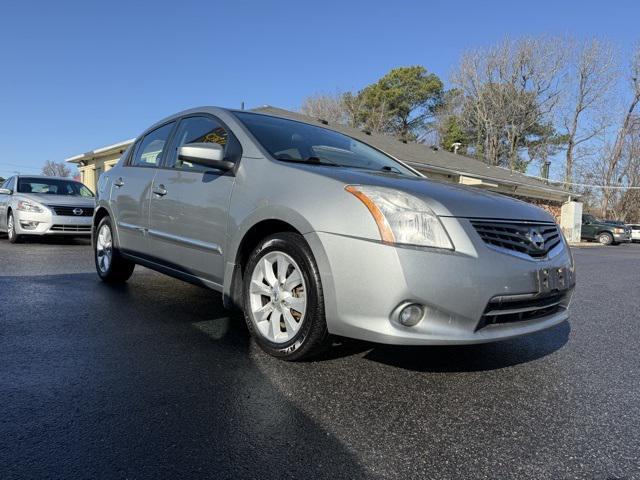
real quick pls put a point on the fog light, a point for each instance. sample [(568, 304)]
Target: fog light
[(28, 225), (411, 315)]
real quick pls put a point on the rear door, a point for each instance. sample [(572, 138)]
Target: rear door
[(189, 203), (588, 229), (131, 190)]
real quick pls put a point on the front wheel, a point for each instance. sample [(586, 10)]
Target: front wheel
[(605, 238), (283, 300), (11, 229), (110, 265)]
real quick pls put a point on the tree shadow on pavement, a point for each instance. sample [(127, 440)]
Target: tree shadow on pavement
[(148, 380)]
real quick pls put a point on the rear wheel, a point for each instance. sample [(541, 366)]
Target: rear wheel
[(283, 301), (11, 229), (110, 265), (605, 238)]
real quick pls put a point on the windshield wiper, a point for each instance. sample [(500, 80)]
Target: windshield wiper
[(308, 161), (387, 168)]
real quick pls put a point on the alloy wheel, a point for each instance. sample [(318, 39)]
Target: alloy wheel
[(278, 297), (604, 239), (104, 248)]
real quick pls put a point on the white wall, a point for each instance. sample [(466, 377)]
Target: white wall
[(571, 221)]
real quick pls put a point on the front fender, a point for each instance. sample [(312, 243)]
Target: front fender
[(281, 213)]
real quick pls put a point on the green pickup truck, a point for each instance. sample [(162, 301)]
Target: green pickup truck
[(606, 232)]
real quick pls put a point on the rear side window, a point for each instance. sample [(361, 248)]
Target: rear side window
[(196, 130), (149, 151)]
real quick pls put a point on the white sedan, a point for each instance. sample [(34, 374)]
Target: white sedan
[(40, 205)]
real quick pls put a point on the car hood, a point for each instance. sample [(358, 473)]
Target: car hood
[(66, 200), (447, 200)]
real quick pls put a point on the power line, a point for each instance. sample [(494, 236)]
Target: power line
[(21, 168), (586, 185), (19, 165)]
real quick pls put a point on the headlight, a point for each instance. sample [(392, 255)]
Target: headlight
[(618, 230), (27, 206), (402, 218)]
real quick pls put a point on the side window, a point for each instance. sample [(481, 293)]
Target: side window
[(149, 151), (196, 130)]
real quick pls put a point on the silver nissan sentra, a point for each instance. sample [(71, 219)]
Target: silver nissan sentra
[(313, 233)]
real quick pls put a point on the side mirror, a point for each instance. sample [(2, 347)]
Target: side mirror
[(205, 154), (5, 191)]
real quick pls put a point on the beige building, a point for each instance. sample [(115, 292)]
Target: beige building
[(92, 164)]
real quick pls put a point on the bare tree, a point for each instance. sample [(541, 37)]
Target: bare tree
[(354, 106), (329, 107), (510, 88), (56, 169), (613, 172), (592, 74), (629, 203)]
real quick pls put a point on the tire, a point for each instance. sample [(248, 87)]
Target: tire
[(290, 334), (110, 265), (605, 238), (11, 229)]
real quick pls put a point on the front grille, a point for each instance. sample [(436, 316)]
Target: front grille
[(67, 211), (504, 310), (71, 228), (519, 236)]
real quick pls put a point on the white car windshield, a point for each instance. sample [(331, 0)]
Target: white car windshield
[(53, 186)]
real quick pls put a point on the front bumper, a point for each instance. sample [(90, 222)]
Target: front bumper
[(622, 237), (47, 223), (365, 283)]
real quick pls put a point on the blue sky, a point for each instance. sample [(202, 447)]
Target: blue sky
[(78, 75)]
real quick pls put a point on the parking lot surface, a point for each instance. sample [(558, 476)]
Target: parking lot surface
[(154, 379)]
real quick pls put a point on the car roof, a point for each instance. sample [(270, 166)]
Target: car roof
[(46, 177), (203, 109)]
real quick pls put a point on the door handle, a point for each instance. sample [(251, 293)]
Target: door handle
[(119, 182), (160, 190)]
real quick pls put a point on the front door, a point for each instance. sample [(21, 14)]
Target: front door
[(189, 204), (4, 202), (131, 190)]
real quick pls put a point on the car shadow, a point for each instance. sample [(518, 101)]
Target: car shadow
[(473, 358), (55, 240), (231, 327)]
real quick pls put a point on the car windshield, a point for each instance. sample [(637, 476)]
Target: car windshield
[(291, 141), (53, 186), (588, 218)]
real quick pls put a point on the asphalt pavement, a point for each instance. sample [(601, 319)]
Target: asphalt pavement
[(155, 379)]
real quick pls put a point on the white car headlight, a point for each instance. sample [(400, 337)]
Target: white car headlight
[(28, 206), (402, 218)]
